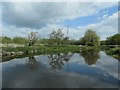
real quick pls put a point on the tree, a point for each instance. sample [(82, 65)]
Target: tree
[(65, 41), (82, 41), (56, 37), (91, 38), (32, 38), (43, 41), (72, 42), (6, 40), (103, 42), (113, 40), (20, 40)]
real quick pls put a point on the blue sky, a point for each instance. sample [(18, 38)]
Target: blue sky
[(21, 18), (92, 19)]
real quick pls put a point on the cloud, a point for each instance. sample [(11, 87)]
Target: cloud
[(106, 28), (21, 18), (13, 31), (38, 15)]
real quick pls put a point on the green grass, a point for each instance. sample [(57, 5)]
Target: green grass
[(49, 49), (39, 49), (42, 49), (114, 52)]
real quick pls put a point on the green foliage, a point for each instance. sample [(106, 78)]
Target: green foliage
[(6, 40), (16, 40), (113, 40), (43, 49), (58, 38), (114, 52), (20, 40), (82, 41), (65, 41), (90, 38), (103, 42), (43, 41), (91, 55), (72, 42)]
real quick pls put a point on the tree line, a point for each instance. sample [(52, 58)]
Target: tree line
[(57, 37), (112, 40)]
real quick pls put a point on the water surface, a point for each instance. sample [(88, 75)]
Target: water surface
[(62, 70)]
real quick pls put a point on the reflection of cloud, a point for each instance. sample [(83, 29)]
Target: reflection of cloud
[(13, 63), (108, 64), (0, 75), (76, 58), (41, 78), (20, 76)]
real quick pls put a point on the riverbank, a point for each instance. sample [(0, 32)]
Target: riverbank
[(16, 52), (112, 50)]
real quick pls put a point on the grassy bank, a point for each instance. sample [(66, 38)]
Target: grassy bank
[(114, 52), (42, 49), (18, 52), (48, 49)]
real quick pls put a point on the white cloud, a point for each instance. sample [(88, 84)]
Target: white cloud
[(0, 19), (60, 1), (106, 28), (37, 15), (13, 31), (21, 18)]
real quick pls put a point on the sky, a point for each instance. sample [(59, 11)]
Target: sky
[(20, 18)]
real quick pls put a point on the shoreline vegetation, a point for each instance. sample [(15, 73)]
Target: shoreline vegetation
[(58, 43), (19, 52)]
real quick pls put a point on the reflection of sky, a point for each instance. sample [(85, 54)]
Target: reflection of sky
[(105, 71), (13, 63), (108, 64), (77, 59), (19, 76), (1, 76)]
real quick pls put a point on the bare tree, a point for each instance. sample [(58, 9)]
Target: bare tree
[(32, 38)]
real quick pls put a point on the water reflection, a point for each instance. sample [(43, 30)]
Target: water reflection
[(102, 75), (32, 62), (57, 60), (114, 55), (90, 56)]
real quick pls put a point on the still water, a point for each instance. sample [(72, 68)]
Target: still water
[(62, 70)]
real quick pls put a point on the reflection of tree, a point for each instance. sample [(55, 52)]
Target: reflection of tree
[(90, 56), (57, 60), (66, 56), (32, 63), (113, 53)]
